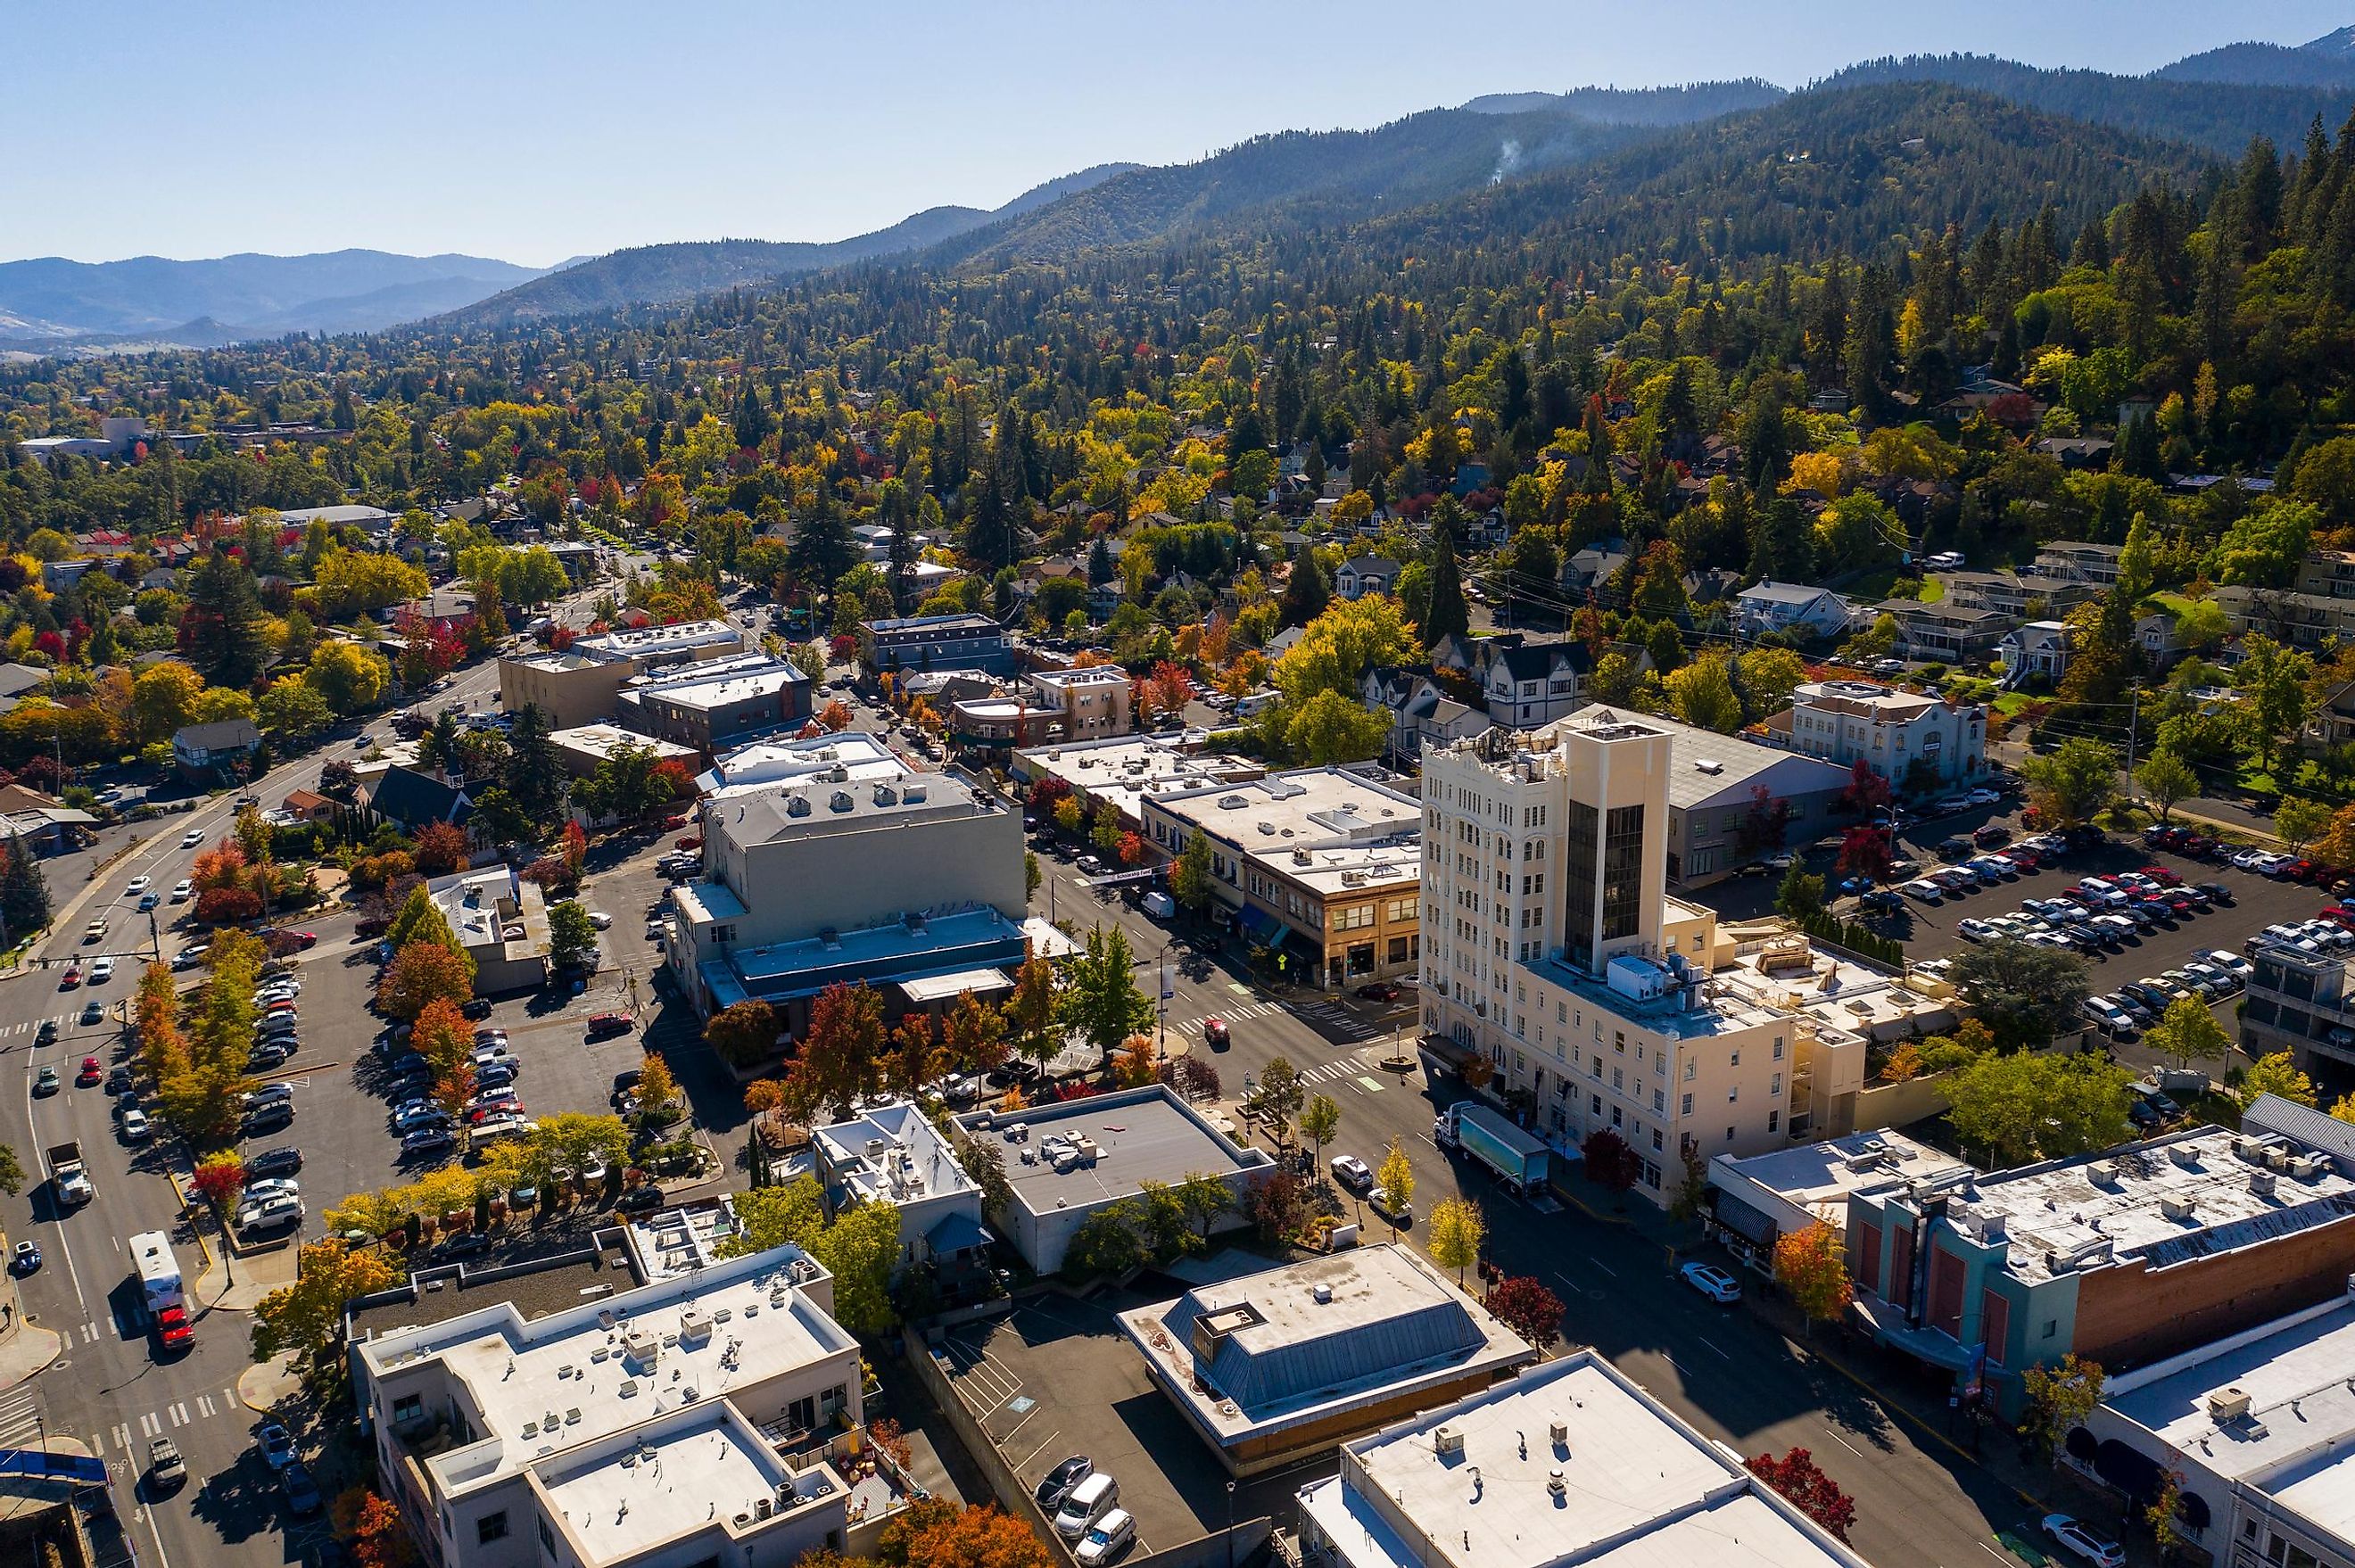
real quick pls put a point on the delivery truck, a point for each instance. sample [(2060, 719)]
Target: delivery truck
[(159, 1273), (1516, 1158), (67, 1170)]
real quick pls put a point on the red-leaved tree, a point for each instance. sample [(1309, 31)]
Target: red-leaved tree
[(442, 848), (227, 906), (1797, 1478), (1610, 1163), (1865, 852), (1525, 1306)]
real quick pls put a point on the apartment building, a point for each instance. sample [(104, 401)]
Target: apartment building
[(2329, 573), (1945, 633), (2083, 563), (667, 1423), (2125, 1256), (1771, 606), (965, 640), (1094, 702), (1895, 732), (2303, 619), (2015, 593), (1320, 864), (1550, 947)]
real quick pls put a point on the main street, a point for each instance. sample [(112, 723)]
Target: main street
[(1726, 1371), (108, 1388)]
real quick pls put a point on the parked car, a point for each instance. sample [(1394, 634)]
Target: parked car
[(1106, 1538), (2080, 1540), (1352, 1173), (26, 1258), (283, 1161), (303, 1497), (1061, 1481), (1380, 991), (602, 1025), (1712, 1282)]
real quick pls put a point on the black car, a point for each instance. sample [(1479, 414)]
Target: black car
[(269, 1117), (283, 1161), (2217, 893), (118, 1081), (623, 1082), (47, 1033), (477, 1007), (639, 1199), (1062, 1481)]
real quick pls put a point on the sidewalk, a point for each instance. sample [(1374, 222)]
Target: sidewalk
[(25, 1348)]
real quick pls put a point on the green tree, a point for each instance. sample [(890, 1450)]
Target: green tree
[(1394, 1184), (420, 919), (2027, 993), (1104, 828), (1703, 696), (293, 709), (1100, 1001), (12, 1172), (2277, 1075), (1456, 1231), (625, 783), (2062, 1396), (535, 774), (2275, 701), (220, 631), (2166, 778), (1449, 616), (1189, 874), (1330, 727), (351, 679), (1281, 1092), (2188, 1032), (1320, 1123), (571, 935), (307, 1316), (1337, 648), (1801, 894), (2072, 783), (2298, 822), (2034, 1106), (860, 1248)]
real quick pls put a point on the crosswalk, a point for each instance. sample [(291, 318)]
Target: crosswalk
[(62, 1019), (1331, 1020), (171, 1417)]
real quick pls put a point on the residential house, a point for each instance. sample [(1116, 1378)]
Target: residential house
[(215, 753), (1422, 713), (1771, 606), (310, 805), (2077, 453), (410, 798), (448, 611), (2329, 572), (1365, 574), (2014, 593), (1944, 633), (17, 680), (1893, 733), (1525, 685), (2304, 620), (1594, 565), (922, 642), (2155, 634), (2036, 650)]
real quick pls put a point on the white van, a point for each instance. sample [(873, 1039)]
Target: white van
[(1158, 904), (1256, 703), (1090, 1501)]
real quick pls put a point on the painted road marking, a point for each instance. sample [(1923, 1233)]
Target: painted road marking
[(121, 1436), (1369, 1083), (149, 1427), (204, 1404)]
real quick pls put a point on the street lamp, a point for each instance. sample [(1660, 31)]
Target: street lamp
[(1230, 1524)]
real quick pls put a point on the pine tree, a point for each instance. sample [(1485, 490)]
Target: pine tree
[(1449, 617), (24, 891), (1306, 593), (220, 631)]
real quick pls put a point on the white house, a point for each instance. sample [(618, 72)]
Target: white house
[(1771, 607), (2037, 650), (1365, 574)]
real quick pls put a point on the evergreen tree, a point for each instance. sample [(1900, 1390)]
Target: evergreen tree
[(535, 775), (1450, 616), (24, 891), (1307, 592), (220, 631), (822, 548)]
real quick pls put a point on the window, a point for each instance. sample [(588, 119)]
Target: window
[(2051, 1327), (1615, 1117), (1596, 1104), (1656, 1138), (1736, 1060), (723, 934), (547, 1537), (1729, 1135), (1622, 872), (1773, 1120), (1659, 1102), (491, 1527), (408, 1408), (1778, 1048), (1734, 1096), (1688, 1105), (1690, 1063)]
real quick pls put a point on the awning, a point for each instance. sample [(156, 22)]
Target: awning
[(922, 989), (1935, 1345), (958, 1232), (1751, 1224), (1263, 927)]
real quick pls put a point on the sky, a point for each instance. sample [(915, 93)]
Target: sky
[(533, 132)]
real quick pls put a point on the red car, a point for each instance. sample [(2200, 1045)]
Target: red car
[(93, 1070), (674, 822), (173, 1328), (1214, 1034), (2162, 875), (69, 979), (603, 1024), (1380, 991)]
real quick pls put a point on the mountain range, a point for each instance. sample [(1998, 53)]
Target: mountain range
[(2212, 104)]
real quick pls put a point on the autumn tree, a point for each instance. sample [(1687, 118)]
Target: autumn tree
[(1394, 1185), (1797, 1477), (442, 848), (841, 1056), (1457, 1228), (307, 1316), (1610, 1163), (2277, 1075), (374, 1530), (2061, 1396), (219, 1178), (1100, 1001), (1811, 1268), (419, 974), (744, 1034), (1524, 1304)]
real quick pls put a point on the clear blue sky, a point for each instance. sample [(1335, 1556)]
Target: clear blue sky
[(534, 131)]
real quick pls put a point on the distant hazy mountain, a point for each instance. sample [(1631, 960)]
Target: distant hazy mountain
[(2220, 117), (657, 274), (2327, 61), (53, 299), (1638, 106)]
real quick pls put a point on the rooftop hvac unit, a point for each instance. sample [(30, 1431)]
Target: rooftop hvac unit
[(2175, 1207), (763, 1507), (1300, 857), (2103, 1173), (1555, 1486), (1558, 1430), (1321, 1293), (2228, 1405), (2261, 1182), (1447, 1441), (875, 1148), (2185, 1155)]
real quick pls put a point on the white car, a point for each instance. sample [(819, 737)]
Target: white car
[(1924, 891), (101, 972), (181, 891), (1106, 1538), (1351, 1172), (1976, 930), (1984, 797), (600, 918), (2080, 1539), (192, 838), (270, 1186), (1712, 1282), (136, 886), (2232, 964)]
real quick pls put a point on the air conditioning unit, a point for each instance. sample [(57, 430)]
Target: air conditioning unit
[(2103, 1173), (2228, 1405), (2261, 1182), (2176, 1208), (2184, 1154), (1559, 1431), (1447, 1440)]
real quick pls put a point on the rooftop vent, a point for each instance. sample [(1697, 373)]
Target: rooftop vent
[(841, 801), (2185, 1155), (1558, 1430), (1322, 1292), (2226, 1405), (1447, 1441), (1555, 1486), (1709, 765), (886, 795), (798, 806)]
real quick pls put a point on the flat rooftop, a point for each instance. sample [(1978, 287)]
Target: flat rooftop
[(814, 805), (619, 1499), (739, 686), (518, 1371), (1818, 1177), (601, 741), (863, 758), (1295, 1344), (863, 1155), (645, 641), (1143, 1135), (1640, 1489), (2297, 1440), (1837, 991), (2191, 1194), (533, 1295), (1126, 768), (1720, 1010), (1311, 807)]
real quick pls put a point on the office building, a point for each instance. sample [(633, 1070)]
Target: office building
[(666, 1423), (716, 703), (2301, 1001), (1123, 770), (828, 860), (1276, 1366), (1321, 865), (1756, 1200), (1550, 947), (1570, 1462), (583, 684), (501, 922), (892, 1153), (2126, 1256), (1094, 703), (965, 640), (1067, 1161)]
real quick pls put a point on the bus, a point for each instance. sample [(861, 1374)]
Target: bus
[(159, 1271)]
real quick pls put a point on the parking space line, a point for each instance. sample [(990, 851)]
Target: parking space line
[(1704, 1340), (1844, 1442)]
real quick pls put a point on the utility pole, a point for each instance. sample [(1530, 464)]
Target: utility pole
[(2134, 712)]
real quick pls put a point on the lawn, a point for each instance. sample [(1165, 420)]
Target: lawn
[(1872, 587)]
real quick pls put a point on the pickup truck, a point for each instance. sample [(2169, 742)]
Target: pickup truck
[(67, 1170), (1517, 1160)]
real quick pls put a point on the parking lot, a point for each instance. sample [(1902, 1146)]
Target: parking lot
[(1055, 1378), (340, 1080)]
